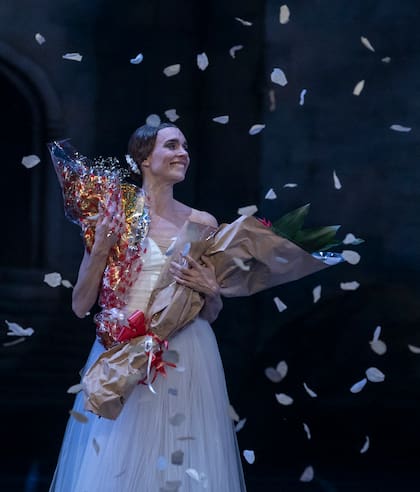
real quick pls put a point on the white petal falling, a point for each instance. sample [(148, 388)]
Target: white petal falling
[(284, 399), (270, 195), (278, 77), (249, 455), (171, 115), (153, 120), (256, 129), (310, 392), (221, 119), (337, 183), (80, 417), (233, 414), (15, 330), (366, 42), (302, 97), (67, 284), (53, 279), (307, 431), (76, 388), (374, 375), (307, 475), (30, 161), (234, 49), (316, 293), (376, 333), (358, 88), (386, 59), (279, 304), (282, 368), (349, 285), (39, 38), (73, 57), (96, 446), (191, 472), (243, 22), (240, 263), (138, 59), (357, 387), (351, 239), (365, 445), (273, 375), (290, 185), (284, 15), (414, 349), (350, 256), (240, 425), (161, 463), (378, 346), (248, 210), (400, 128), (202, 61), (172, 70)]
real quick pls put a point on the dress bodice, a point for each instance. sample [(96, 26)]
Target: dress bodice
[(153, 261)]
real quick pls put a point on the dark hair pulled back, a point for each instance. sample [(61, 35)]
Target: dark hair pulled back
[(142, 141)]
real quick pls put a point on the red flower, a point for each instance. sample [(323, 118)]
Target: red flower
[(264, 221)]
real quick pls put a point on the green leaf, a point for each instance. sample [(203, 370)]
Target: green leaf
[(288, 225), (318, 239)]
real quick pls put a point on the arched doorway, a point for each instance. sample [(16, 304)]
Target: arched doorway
[(31, 117)]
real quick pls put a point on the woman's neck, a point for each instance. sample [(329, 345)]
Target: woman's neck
[(160, 197)]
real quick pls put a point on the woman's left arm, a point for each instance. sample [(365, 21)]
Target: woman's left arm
[(202, 278)]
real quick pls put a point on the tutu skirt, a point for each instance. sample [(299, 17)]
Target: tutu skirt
[(181, 438)]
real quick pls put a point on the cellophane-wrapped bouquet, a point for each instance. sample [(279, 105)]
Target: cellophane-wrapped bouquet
[(91, 188)]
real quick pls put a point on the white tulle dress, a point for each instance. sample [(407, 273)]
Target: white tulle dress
[(181, 439)]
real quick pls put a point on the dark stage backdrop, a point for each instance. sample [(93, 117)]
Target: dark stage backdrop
[(308, 136)]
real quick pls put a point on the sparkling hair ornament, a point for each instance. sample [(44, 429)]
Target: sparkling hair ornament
[(133, 164)]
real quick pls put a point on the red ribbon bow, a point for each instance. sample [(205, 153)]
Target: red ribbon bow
[(136, 327)]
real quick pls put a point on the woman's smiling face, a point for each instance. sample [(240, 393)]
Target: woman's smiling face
[(169, 159)]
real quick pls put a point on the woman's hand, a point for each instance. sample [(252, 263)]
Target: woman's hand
[(198, 276), (202, 278), (109, 227)]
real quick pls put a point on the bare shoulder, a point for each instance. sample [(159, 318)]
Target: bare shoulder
[(203, 218), (195, 215)]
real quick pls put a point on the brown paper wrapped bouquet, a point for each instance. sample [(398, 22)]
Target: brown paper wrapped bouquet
[(248, 255)]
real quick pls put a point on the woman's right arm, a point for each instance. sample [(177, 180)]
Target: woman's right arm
[(86, 290), (93, 264)]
